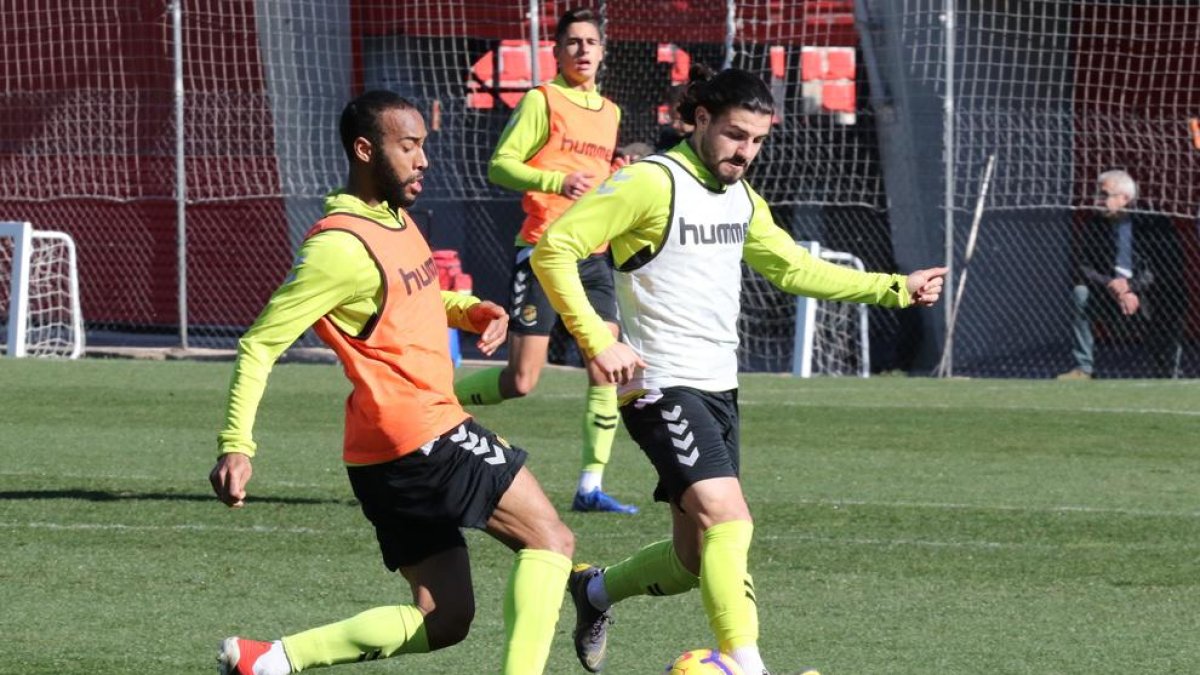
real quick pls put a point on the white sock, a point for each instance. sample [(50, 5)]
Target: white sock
[(590, 480), (749, 659), (597, 594), (273, 662)]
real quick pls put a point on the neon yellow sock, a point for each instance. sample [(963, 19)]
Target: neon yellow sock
[(531, 603), (599, 427), (654, 570), (481, 388), (377, 633), (725, 585)]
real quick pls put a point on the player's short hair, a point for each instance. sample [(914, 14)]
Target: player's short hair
[(360, 117), (733, 88), (576, 16), (1123, 182)]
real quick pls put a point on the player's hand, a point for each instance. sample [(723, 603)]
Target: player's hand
[(617, 363), (229, 478), (491, 322), (1129, 303), (1118, 287), (925, 286), (575, 185)]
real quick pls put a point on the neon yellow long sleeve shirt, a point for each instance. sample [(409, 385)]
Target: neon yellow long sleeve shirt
[(334, 275), (631, 210), (526, 133)]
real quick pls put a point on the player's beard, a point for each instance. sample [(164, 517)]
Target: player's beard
[(714, 163), (391, 188)]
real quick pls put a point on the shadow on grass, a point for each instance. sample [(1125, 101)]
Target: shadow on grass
[(118, 496)]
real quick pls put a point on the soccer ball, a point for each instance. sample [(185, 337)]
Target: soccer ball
[(704, 662)]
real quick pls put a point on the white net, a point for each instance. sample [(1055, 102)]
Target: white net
[(53, 326), (811, 337), (884, 122), (1061, 92)]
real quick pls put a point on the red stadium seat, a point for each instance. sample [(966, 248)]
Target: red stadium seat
[(513, 77)]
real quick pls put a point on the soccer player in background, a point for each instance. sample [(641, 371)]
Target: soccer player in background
[(560, 142), (680, 224), (419, 465)]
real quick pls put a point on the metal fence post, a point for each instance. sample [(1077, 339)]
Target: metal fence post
[(180, 175)]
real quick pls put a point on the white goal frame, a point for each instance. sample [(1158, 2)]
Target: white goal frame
[(805, 345), (24, 239)]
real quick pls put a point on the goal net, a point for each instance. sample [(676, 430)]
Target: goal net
[(806, 336), (887, 111), (39, 293)]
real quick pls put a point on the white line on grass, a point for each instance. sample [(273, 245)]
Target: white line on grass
[(1098, 510), (183, 527), (983, 545), (825, 403), (952, 506), (622, 536), (150, 479), (966, 407)]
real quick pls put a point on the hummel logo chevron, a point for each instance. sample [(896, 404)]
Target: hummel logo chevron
[(682, 443), (497, 456), (468, 440), (461, 434)]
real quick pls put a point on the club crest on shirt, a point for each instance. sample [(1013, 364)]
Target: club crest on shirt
[(610, 186), (528, 315)]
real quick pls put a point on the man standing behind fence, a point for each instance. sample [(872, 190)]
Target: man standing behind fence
[(560, 142), (419, 466), (680, 224)]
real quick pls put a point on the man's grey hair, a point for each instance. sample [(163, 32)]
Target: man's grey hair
[(1122, 181)]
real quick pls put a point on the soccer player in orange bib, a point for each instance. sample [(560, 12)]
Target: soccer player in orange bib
[(418, 464), (559, 143)]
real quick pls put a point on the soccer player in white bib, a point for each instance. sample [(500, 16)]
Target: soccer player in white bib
[(679, 224)]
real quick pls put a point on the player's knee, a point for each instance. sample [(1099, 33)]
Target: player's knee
[(449, 625), (524, 382), (564, 540), (717, 514), (554, 536)]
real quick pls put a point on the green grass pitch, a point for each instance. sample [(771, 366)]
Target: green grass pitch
[(908, 526)]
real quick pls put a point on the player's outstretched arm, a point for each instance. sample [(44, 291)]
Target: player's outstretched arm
[(229, 478), (315, 285), (925, 286)]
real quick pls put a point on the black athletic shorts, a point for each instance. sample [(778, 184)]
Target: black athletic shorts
[(418, 502), (689, 435), (529, 310)]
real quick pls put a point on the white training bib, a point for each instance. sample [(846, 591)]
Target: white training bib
[(679, 309)]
